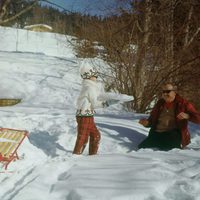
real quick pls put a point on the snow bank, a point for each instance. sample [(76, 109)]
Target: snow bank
[(20, 40)]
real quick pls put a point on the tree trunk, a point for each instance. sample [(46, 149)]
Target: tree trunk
[(140, 64)]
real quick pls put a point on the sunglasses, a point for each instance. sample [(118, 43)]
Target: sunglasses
[(166, 91)]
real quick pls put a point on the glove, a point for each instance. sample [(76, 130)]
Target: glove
[(105, 104), (110, 102)]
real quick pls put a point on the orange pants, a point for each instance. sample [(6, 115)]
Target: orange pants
[(87, 129)]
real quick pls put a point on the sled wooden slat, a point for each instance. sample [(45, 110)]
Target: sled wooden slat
[(9, 102), (10, 140)]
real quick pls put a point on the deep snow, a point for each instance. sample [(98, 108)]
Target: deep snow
[(49, 83)]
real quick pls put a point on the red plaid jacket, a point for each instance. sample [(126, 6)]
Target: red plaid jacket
[(181, 105)]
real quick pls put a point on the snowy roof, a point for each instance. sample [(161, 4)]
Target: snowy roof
[(38, 25)]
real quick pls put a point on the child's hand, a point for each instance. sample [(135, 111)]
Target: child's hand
[(144, 122)]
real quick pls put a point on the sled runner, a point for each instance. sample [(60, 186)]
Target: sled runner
[(9, 102), (10, 140)]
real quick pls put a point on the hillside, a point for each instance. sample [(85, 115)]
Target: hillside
[(49, 83)]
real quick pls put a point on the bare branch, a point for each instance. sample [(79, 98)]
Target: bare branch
[(193, 37), (19, 13), (3, 8), (7, 2), (188, 26)]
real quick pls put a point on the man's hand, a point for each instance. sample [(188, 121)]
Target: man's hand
[(144, 122), (183, 115)]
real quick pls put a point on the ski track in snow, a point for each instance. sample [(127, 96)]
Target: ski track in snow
[(48, 170)]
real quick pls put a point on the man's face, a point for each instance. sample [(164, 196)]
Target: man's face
[(168, 93)]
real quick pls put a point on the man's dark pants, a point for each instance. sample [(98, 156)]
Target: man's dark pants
[(162, 140)]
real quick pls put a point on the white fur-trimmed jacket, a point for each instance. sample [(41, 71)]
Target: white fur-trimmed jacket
[(87, 100)]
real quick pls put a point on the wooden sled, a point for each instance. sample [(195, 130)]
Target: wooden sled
[(10, 140)]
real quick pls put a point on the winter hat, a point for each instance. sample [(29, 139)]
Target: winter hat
[(87, 71)]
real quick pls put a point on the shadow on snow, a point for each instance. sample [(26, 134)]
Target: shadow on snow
[(134, 137), (46, 142)]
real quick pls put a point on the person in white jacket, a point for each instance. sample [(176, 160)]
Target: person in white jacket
[(86, 103)]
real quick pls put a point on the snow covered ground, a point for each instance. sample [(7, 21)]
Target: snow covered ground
[(49, 86)]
